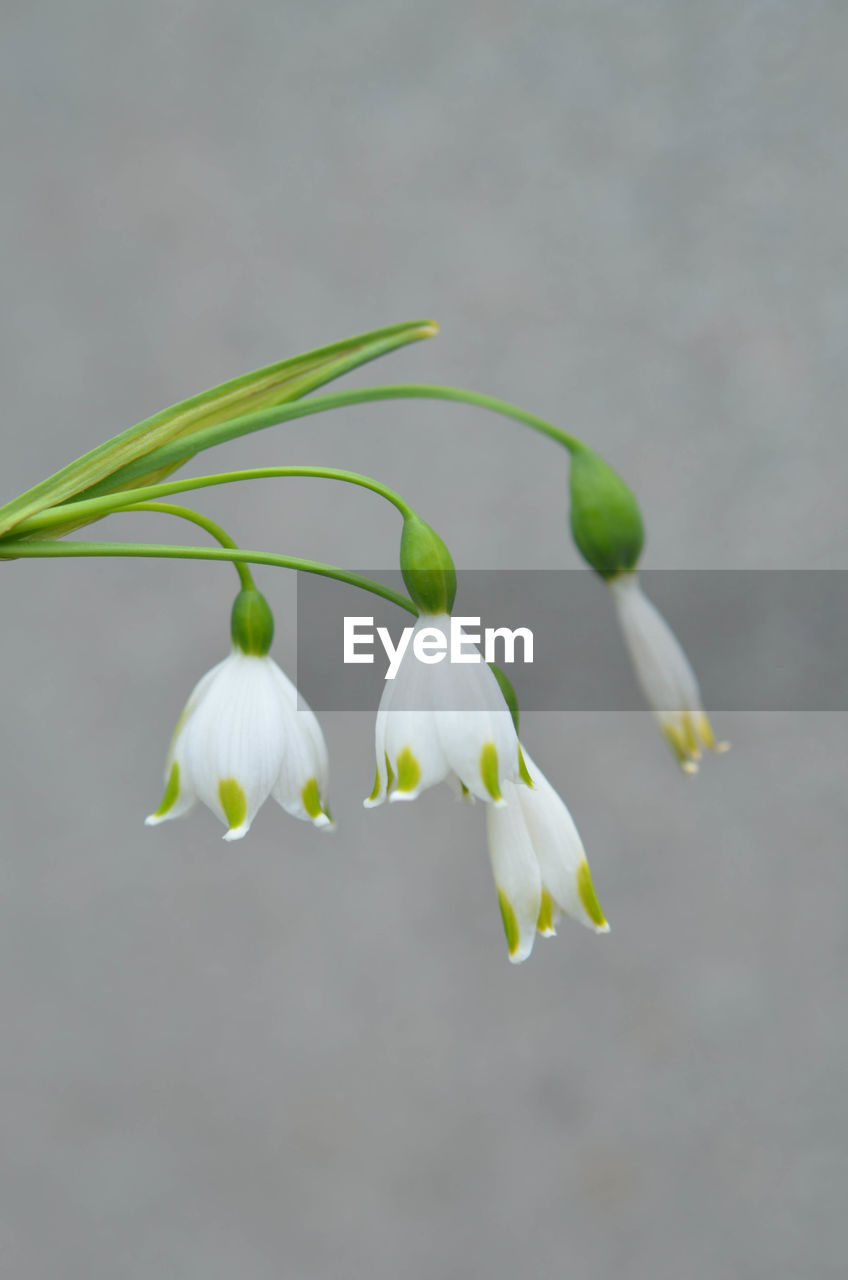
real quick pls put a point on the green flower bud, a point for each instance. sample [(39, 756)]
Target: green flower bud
[(427, 567), (605, 519), (252, 623)]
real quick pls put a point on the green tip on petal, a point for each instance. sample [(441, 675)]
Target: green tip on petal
[(704, 730), (510, 923), (589, 899), (683, 744), (545, 923), (233, 802), (408, 772), (489, 770), (376, 795), (172, 790), (523, 771), (311, 799)]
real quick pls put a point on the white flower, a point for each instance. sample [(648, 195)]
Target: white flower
[(538, 864), (664, 672), (241, 738), (438, 719)]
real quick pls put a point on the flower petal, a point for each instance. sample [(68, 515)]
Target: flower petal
[(474, 725), (301, 785), (179, 797), (459, 789), (481, 747), (385, 775), (664, 673), (559, 850), (233, 744), (414, 753), (440, 718), (516, 873)]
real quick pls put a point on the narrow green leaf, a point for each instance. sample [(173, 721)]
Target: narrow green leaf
[(274, 385)]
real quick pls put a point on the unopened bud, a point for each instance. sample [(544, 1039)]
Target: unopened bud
[(252, 623), (427, 567), (605, 519)]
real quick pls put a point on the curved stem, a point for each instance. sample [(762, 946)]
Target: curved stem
[(68, 550), (459, 395), (96, 508), (181, 450), (217, 532)]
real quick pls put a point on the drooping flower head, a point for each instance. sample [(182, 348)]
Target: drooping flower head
[(439, 720), (608, 532), (539, 865), (664, 673), (244, 735)]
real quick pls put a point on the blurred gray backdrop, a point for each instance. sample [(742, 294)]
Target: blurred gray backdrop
[(309, 1058)]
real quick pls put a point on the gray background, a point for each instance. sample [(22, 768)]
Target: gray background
[(307, 1057)]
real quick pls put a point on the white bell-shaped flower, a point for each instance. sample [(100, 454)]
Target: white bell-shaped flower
[(664, 673), (539, 864), (244, 735), (438, 718)]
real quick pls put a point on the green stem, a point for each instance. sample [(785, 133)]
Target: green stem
[(180, 451), (460, 396), (68, 550), (97, 508), (221, 535)]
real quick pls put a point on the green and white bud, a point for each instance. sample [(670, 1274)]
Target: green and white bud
[(605, 520), (427, 568)]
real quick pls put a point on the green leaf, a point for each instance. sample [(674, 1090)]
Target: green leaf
[(276, 384)]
